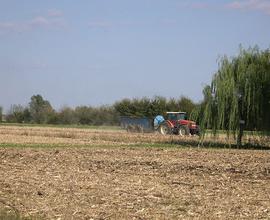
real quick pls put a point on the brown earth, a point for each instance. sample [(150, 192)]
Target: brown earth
[(135, 183)]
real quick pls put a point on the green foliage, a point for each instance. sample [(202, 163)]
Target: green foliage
[(104, 115), (146, 107), (67, 116), (87, 115), (41, 110), (240, 90), (186, 105), (18, 114)]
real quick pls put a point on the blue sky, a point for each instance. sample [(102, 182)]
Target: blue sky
[(94, 52)]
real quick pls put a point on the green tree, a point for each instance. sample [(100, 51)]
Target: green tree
[(146, 107), (239, 95), (26, 115), (41, 110), (157, 106), (185, 104), (124, 107), (107, 116), (84, 114), (67, 116), (104, 115), (16, 114)]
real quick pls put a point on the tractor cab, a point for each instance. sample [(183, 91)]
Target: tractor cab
[(176, 116)]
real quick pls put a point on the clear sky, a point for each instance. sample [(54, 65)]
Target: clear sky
[(94, 52)]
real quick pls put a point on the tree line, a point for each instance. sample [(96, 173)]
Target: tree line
[(147, 107), (40, 111)]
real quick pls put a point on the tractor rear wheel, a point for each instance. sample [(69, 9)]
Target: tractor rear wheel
[(164, 129), (184, 130)]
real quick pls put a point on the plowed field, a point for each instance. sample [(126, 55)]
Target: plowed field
[(66, 173), (135, 183)]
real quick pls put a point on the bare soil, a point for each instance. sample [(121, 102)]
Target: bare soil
[(135, 183)]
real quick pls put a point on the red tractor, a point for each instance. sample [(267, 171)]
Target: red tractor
[(176, 123)]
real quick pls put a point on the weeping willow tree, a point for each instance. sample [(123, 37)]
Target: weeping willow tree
[(239, 95)]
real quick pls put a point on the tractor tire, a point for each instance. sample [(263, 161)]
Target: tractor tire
[(184, 130), (164, 129)]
